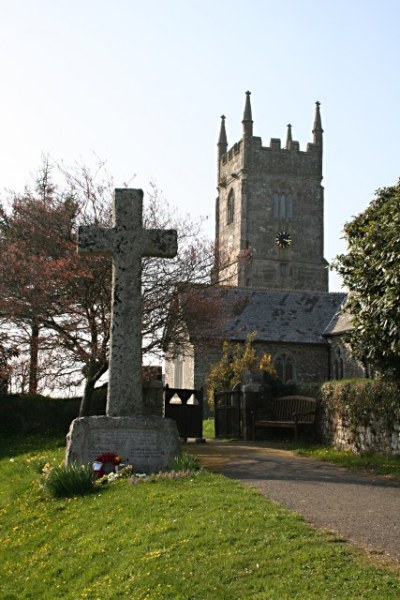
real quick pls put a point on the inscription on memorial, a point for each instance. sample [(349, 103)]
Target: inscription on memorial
[(128, 444)]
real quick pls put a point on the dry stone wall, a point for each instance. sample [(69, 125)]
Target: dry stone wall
[(361, 415), (372, 437)]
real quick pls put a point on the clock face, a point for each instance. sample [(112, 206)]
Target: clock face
[(283, 239)]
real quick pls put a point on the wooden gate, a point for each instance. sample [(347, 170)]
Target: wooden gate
[(185, 407), (228, 414)]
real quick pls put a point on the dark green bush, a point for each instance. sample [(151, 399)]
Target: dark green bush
[(362, 401), (30, 413)]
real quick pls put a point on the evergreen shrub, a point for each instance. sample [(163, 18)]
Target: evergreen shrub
[(362, 401), (30, 413)]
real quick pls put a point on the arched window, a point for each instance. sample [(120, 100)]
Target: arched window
[(282, 206), (230, 209), (338, 370), (285, 366)]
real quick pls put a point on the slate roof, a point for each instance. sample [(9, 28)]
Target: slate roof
[(341, 323), (276, 316)]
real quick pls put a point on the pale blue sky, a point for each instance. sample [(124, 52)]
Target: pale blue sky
[(142, 84)]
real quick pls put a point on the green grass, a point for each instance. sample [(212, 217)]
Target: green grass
[(29, 443), (199, 538), (373, 463), (208, 428)]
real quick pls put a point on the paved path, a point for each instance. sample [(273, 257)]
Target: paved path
[(361, 508)]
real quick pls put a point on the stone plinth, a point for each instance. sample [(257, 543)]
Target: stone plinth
[(146, 443)]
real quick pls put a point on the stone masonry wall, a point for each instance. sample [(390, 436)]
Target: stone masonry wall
[(374, 437), (352, 369), (311, 362)]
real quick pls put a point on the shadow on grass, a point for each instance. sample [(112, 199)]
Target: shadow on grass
[(14, 444)]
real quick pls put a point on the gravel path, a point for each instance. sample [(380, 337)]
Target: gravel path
[(363, 509)]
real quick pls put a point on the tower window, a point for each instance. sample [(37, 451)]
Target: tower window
[(283, 206), (230, 209)]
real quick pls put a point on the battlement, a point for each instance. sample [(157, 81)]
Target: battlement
[(273, 158), (231, 153), (288, 158)]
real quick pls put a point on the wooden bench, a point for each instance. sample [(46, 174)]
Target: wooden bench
[(287, 412)]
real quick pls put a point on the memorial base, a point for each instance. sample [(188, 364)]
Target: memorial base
[(146, 443)]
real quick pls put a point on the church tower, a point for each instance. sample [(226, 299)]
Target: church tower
[(270, 211)]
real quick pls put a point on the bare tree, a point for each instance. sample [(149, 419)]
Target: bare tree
[(59, 301)]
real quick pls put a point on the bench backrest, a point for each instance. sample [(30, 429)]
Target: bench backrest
[(284, 407)]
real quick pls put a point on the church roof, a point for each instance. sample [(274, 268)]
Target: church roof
[(275, 316), (340, 324)]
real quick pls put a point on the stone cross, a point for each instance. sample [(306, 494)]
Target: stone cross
[(127, 242)]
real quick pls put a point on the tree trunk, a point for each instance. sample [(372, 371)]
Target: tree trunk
[(34, 358), (84, 409), (94, 372)]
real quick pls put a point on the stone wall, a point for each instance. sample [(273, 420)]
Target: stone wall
[(310, 360), (361, 415), (342, 363), (339, 432)]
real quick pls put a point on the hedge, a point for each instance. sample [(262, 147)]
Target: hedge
[(362, 401), (28, 413)]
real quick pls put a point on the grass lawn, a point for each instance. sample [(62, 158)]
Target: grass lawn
[(200, 538)]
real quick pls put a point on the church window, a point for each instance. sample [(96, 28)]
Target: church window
[(230, 209), (178, 372), (338, 364), (285, 366), (283, 269), (283, 206), (289, 207)]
